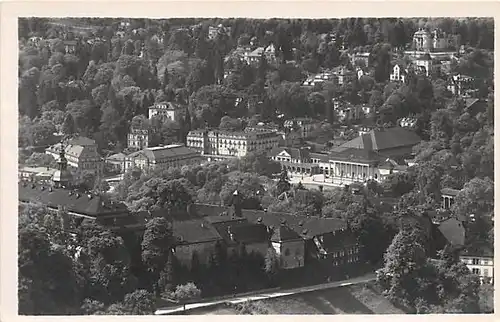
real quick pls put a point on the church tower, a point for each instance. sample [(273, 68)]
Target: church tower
[(62, 177)]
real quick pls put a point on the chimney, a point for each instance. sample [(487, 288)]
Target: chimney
[(231, 235)]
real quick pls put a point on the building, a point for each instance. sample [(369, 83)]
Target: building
[(460, 85), (117, 161), (408, 122), (163, 157), (36, 173), (289, 246), (423, 63), (81, 153), (304, 126), (58, 195), (216, 144), (448, 197), (138, 138), (373, 155), (398, 73), (360, 59), (480, 262), (70, 46), (213, 32), (438, 40), (319, 79), (171, 110), (253, 57)]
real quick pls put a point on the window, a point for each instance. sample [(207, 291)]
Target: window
[(475, 261), (485, 272), (475, 271)]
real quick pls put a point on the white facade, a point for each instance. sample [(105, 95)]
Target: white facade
[(481, 266)]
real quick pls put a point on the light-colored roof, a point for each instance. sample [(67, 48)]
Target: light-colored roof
[(163, 152)]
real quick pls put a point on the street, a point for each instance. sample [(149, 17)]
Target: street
[(299, 290)]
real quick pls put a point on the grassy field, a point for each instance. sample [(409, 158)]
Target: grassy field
[(358, 299)]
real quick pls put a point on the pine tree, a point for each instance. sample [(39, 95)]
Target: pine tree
[(283, 182)]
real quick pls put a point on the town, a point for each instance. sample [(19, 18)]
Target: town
[(177, 163)]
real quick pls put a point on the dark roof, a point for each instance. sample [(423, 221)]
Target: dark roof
[(81, 140), (307, 227), (250, 233), (353, 154), (321, 156), (283, 233), (449, 191), (383, 139), (194, 231), (479, 250), (453, 230), (73, 201)]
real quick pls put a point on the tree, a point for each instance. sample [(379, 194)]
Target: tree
[(157, 245), (68, 125), (186, 292), (272, 264), (139, 302)]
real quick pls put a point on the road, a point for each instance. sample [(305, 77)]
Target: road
[(272, 294)]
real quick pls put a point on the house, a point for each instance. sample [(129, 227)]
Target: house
[(36, 173), (253, 57), (448, 197), (194, 238), (171, 110), (138, 138), (360, 59), (408, 122), (319, 79), (460, 85), (438, 40), (117, 161), (423, 63), (216, 144), (289, 246), (70, 46), (479, 260), (398, 73), (81, 153), (302, 125)]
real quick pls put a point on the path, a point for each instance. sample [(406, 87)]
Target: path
[(273, 294)]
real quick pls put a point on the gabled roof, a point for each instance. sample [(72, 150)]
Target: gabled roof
[(382, 139), (295, 153), (283, 234), (77, 202), (478, 250), (163, 152), (449, 191), (306, 227), (453, 230), (355, 155), (194, 231)]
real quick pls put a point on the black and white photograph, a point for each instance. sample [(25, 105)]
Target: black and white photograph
[(247, 166)]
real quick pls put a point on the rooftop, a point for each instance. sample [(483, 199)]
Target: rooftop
[(162, 152), (81, 203), (384, 139)]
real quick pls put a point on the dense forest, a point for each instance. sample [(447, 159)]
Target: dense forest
[(121, 67)]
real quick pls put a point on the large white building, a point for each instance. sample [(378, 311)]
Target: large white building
[(163, 157), (480, 262), (222, 144), (81, 153)]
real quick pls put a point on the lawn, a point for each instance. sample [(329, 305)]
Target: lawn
[(357, 299)]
